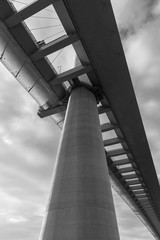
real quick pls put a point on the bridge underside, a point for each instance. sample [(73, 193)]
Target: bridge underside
[(95, 38)]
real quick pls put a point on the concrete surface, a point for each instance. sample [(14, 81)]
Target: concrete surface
[(81, 204)]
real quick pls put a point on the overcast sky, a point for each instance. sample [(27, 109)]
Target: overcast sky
[(28, 145)]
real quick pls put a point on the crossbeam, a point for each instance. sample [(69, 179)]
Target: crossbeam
[(70, 74), (54, 46), (133, 182), (125, 170), (122, 161), (116, 152), (144, 201), (138, 193), (137, 187), (131, 176), (103, 109), (145, 197), (112, 141), (146, 204), (27, 12), (108, 127), (50, 111)]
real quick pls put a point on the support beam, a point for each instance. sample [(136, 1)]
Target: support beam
[(50, 111), (133, 182), (108, 127), (125, 170), (103, 109), (145, 197), (70, 74), (140, 193), (27, 12), (121, 162), (148, 206), (116, 152), (149, 210), (54, 46), (142, 201), (139, 197), (112, 141), (81, 203), (145, 205), (130, 176), (137, 187)]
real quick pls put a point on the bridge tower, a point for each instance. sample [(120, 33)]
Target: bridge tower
[(81, 204)]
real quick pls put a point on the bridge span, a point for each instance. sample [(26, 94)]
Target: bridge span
[(92, 31)]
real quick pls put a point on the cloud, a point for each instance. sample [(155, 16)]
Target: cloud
[(28, 148), (133, 15), (17, 219)]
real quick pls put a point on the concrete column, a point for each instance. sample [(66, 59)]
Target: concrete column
[(81, 205)]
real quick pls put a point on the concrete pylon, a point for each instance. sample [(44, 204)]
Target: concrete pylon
[(81, 204)]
